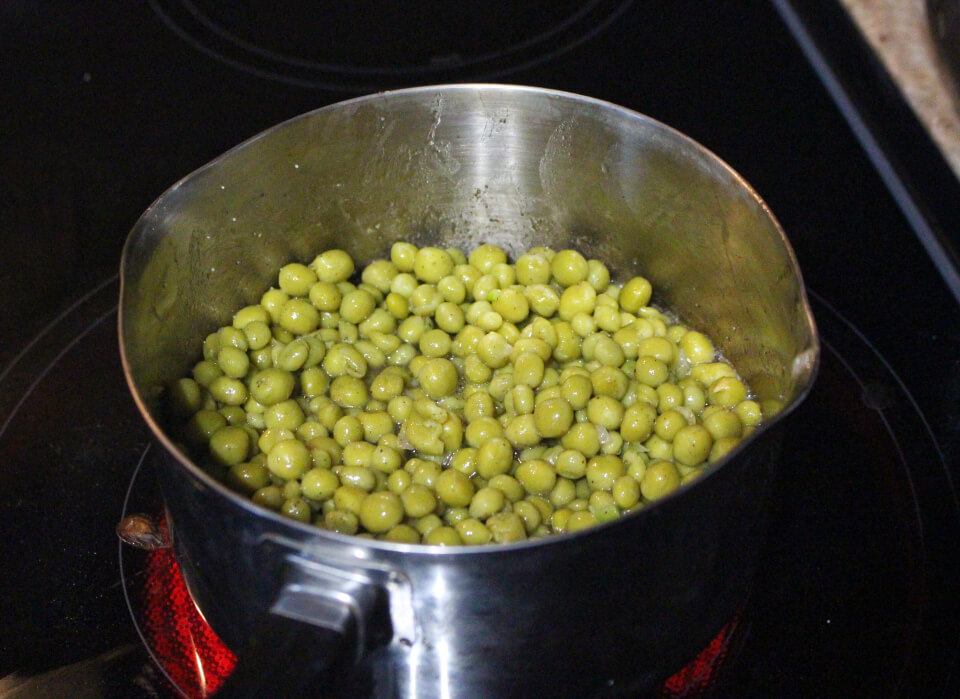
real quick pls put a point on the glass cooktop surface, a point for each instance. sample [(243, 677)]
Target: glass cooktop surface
[(112, 102)]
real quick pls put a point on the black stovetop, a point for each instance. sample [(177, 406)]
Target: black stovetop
[(106, 104)]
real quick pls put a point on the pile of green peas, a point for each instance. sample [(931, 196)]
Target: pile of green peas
[(447, 399)]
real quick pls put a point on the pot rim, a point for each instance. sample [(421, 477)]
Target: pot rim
[(806, 363)]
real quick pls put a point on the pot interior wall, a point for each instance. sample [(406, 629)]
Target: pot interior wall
[(459, 166)]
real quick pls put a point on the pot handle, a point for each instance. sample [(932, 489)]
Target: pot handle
[(324, 620)]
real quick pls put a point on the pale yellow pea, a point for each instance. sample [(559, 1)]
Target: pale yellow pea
[(727, 391), (506, 527), (528, 370), (582, 437), (425, 300), (348, 392), (669, 395), (347, 429), (434, 343), (583, 324), (475, 371), (708, 373), (569, 267), (722, 423), (504, 274), (605, 411), (635, 294), (479, 404), (454, 488), (659, 448), (520, 400), (449, 317), (494, 350), (602, 506), (661, 478), (697, 347), (721, 447), (432, 264), (578, 521), (553, 418), (403, 255), (543, 300), (357, 305), (473, 532), (668, 423), (692, 445), (532, 268), (272, 301), (512, 305), (521, 431), (249, 314), (453, 289), (418, 500), (493, 456), (579, 298), (404, 284), (381, 512), (637, 422), (333, 266), (486, 256), (749, 412), (626, 491)]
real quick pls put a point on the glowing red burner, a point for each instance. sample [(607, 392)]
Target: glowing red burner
[(192, 655), (198, 662), (700, 675)]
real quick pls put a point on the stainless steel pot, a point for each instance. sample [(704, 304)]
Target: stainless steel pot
[(606, 612)]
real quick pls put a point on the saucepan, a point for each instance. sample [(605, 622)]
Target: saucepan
[(608, 611)]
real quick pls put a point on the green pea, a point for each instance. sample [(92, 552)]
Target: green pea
[(248, 477), (319, 484), (298, 316), (435, 343), (486, 256), (432, 264), (341, 521), (635, 294), (605, 411), (626, 491), (579, 298), (537, 476), (288, 459), (692, 444), (348, 392), (402, 255), (333, 266), (506, 527), (553, 417), (603, 470), (582, 437), (250, 314), (269, 496), (296, 279), (661, 478), (419, 500), (443, 536), (228, 390), (271, 386), (494, 456), (578, 521), (569, 267), (486, 501), (380, 512), (229, 445)]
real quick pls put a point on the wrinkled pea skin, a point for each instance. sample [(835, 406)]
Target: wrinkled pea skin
[(452, 399)]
